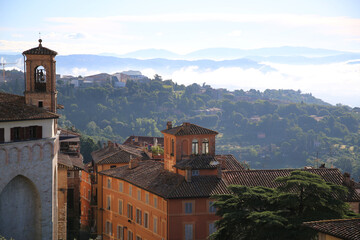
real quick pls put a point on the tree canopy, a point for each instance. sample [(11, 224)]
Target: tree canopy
[(265, 213)]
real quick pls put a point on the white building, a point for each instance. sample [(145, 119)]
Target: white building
[(29, 145)]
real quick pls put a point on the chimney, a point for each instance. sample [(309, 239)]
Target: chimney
[(134, 162), (347, 181), (104, 145), (169, 125), (186, 124), (136, 139), (219, 171), (188, 174), (110, 144)]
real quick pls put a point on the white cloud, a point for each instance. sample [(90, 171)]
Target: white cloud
[(82, 71), (235, 33), (334, 83), (333, 25)]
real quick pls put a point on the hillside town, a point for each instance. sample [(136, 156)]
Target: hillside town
[(128, 191)]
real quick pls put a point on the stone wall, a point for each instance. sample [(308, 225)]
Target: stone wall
[(36, 162)]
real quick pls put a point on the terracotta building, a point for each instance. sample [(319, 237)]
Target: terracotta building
[(74, 188), (169, 200)]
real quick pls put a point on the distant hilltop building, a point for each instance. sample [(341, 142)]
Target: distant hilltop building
[(130, 75), (29, 145)]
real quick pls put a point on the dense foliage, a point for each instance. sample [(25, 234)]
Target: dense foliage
[(265, 213), (270, 129)]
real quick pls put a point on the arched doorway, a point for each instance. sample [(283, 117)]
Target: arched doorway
[(20, 210)]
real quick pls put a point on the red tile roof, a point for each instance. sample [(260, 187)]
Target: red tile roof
[(71, 161), (116, 153), (200, 186), (13, 108), (228, 162), (347, 229), (189, 129), (266, 178), (151, 176), (143, 140), (40, 50)]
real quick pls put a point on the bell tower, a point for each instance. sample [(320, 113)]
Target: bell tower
[(40, 67)]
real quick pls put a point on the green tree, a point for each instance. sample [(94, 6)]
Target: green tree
[(263, 213)]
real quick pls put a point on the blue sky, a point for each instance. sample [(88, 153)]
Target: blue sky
[(118, 27), (179, 26)]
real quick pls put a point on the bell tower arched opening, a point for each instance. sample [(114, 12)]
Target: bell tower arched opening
[(40, 79)]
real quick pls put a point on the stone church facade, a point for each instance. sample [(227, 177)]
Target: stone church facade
[(29, 145)]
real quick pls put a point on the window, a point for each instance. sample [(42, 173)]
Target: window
[(108, 228), (195, 147), (70, 174), (188, 207), (31, 132), (139, 194), (212, 228), (189, 232), (70, 198), (89, 195), (16, 133), (155, 202), (195, 172), (120, 207), (205, 146), (147, 198), (155, 225), (2, 135), (212, 208), (138, 238), (130, 190), (108, 203), (40, 104), (138, 216), (172, 147), (130, 235), (109, 183), (130, 211), (146, 220), (121, 186), (120, 233), (113, 166)]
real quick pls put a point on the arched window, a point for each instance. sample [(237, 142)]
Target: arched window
[(195, 146), (205, 146), (40, 79)]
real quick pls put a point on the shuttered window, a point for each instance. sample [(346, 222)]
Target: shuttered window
[(2, 135)]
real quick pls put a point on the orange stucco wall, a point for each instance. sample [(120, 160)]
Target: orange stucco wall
[(200, 218), (113, 215), (85, 198)]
